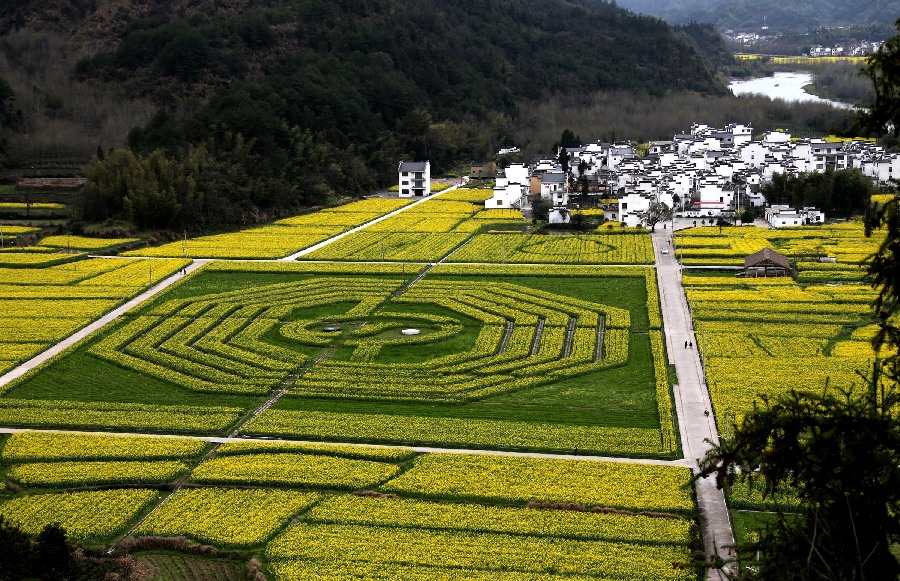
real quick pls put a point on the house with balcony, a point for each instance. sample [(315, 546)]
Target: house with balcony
[(415, 179)]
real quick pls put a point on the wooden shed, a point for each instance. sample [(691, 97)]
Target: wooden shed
[(766, 263)]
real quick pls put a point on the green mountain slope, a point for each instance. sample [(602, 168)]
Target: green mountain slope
[(327, 95)]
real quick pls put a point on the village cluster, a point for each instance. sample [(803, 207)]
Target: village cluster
[(705, 174)]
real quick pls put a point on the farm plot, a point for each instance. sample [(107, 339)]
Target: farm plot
[(85, 243), (58, 294), (517, 362), (226, 517), (413, 538), (632, 248), (280, 238), (88, 516), (522, 517), (789, 335), (844, 242), (427, 232)]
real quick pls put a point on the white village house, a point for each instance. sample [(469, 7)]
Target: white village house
[(414, 179)]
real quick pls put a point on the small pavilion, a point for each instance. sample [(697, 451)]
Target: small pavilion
[(766, 263)]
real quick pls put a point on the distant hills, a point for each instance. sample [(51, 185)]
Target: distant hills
[(327, 96), (777, 14)]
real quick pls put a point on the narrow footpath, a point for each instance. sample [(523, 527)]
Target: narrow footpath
[(692, 401)]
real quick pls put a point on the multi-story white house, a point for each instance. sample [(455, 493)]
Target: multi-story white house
[(415, 179)]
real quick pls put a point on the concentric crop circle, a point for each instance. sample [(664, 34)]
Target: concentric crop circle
[(334, 337)]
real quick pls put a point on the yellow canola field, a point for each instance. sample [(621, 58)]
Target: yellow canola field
[(58, 474), (557, 249), (225, 517), (472, 195), (350, 545), (44, 446), (293, 470), (84, 242), (412, 513), (512, 479), (123, 416), (385, 454), (89, 516), (43, 305), (790, 335), (279, 238)]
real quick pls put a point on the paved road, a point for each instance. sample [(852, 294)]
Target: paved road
[(691, 400), (109, 317)]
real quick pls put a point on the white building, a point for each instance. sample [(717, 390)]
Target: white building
[(781, 216), (415, 179), (511, 188)]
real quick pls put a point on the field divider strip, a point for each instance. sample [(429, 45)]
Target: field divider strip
[(601, 337), (570, 337), (507, 335), (538, 335)]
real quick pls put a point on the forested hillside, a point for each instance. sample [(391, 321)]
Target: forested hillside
[(743, 14), (293, 102)]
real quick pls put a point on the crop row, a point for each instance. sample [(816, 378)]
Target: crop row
[(225, 517), (87, 516), (533, 248), (448, 431), (71, 414), (284, 469), (85, 242), (280, 238), (396, 246), (411, 513), (67, 473), (512, 479), (480, 551), (41, 446)]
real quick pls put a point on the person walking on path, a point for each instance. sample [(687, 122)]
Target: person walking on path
[(685, 344)]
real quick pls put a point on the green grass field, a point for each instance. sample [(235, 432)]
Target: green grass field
[(466, 374)]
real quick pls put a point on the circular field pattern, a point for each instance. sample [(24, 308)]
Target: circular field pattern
[(343, 337)]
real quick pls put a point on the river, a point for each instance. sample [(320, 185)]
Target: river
[(787, 86)]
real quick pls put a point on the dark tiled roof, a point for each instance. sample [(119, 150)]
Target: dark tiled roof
[(766, 254)]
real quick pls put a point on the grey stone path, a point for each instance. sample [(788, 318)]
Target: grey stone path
[(692, 400)]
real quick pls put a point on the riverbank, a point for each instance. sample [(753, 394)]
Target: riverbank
[(788, 86)]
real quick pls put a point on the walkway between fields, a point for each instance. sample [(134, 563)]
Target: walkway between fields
[(692, 401), (109, 317), (337, 237), (421, 449)]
